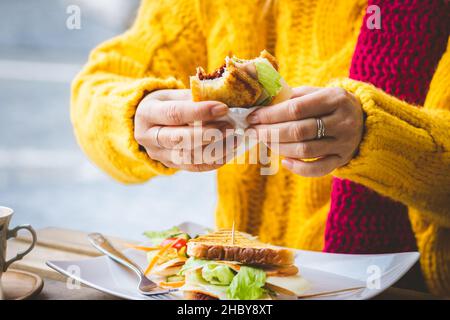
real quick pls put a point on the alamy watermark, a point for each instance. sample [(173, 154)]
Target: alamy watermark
[(374, 279), (373, 17), (73, 21), (213, 146), (72, 282)]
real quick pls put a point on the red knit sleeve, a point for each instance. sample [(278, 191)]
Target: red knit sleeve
[(400, 58)]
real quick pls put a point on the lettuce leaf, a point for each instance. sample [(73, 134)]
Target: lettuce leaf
[(268, 77), (158, 236), (217, 274), (211, 272), (264, 99), (247, 284), (195, 278)]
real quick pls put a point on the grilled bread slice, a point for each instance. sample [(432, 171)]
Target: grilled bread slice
[(266, 55), (245, 249), (227, 84)]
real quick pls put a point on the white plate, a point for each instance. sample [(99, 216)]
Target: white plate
[(326, 272)]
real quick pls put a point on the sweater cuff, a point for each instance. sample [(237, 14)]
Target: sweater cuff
[(133, 94), (394, 143), (102, 112), (404, 152)]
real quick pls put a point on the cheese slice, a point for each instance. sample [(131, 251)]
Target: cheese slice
[(292, 285), (169, 268), (194, 282)]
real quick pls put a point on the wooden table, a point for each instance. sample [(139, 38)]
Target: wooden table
[(64, 244)]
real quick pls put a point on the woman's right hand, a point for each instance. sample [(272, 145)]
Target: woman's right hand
[(164, 127)]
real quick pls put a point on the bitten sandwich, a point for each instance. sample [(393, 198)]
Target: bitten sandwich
[(221, 266), (242, 83)]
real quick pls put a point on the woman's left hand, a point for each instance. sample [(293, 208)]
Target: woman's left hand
[(295, 120)]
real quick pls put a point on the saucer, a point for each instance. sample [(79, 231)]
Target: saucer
[(21, 285)]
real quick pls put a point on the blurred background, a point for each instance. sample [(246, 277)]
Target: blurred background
[(44, 176)]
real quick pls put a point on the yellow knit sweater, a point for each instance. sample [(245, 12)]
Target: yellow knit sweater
[(170, 38)]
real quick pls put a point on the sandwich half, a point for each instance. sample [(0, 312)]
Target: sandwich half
[(242, 268), (242, 83)]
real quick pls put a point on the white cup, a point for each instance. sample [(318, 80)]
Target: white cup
[(5, 234)]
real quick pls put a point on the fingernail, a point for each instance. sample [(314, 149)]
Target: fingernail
[(253, 119), (288, 164), (219, 110)]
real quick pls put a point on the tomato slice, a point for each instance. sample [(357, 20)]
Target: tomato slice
[(179, 243)]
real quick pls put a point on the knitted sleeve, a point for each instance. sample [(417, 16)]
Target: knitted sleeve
[(405, 152), (159, 51)]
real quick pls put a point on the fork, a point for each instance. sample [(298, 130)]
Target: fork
[(146, 286)]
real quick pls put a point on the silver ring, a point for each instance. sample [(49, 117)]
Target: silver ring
[(156, 137), (320, 129)]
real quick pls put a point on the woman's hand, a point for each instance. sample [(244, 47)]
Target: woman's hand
[(296, 123), (163, 126)]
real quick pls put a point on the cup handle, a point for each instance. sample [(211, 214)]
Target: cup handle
[(13, 233)]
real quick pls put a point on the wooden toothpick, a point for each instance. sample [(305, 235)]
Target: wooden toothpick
[(232, 234)]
